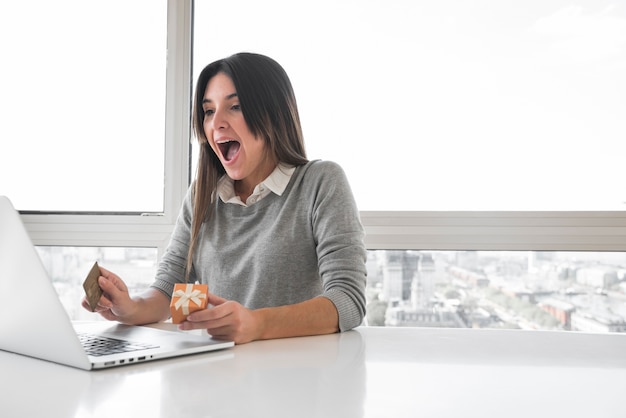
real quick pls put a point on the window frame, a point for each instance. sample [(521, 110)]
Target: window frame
[(491, 230), (414, 230), (142, 229)]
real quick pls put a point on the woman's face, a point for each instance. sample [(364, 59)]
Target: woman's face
[(242, 154)]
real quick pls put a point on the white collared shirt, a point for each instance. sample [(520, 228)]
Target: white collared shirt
[(275, 183)]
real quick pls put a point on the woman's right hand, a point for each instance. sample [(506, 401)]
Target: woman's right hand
[(115, 303)]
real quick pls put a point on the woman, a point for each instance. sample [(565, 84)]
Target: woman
[(277, 238)]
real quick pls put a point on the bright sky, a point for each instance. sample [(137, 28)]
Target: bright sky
[(451, 105), (447, 105)]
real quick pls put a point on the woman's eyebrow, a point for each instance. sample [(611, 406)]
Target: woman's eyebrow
[(230, 96)]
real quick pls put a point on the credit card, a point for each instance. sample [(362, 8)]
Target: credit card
[(92, 289)]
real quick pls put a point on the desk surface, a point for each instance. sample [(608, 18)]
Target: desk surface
[(368, 372)]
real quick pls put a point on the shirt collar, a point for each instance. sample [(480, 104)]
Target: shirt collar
[(276, 182), (279, 179)]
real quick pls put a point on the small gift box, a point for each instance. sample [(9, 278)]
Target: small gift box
[(187, 298)]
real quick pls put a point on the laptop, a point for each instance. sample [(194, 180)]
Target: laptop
[(34, 323)]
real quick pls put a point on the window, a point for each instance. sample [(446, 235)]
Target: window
[(68, 267), (475, 126), (83, 105), (100, 169), (461, 125), (115, 176), (449, 105), (569, 291), (467, 126)]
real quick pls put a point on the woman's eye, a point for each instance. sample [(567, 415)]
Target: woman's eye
[(236, 107), (208, 112)]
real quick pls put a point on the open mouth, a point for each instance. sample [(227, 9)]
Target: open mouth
[(229, 149)]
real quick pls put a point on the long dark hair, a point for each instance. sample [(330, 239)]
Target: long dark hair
[(269, 108)]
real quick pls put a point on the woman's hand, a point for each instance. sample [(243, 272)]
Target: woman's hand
[(227, 320), (117, 305), (230, 320)]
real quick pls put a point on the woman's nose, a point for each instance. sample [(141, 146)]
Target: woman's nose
[(219, 120)]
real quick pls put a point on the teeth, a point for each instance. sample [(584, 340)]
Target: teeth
[(228, 147)]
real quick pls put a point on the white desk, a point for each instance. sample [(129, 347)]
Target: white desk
[(369, 372)]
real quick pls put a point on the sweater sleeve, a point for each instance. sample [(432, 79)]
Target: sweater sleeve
[(339, 241), (172, 266)]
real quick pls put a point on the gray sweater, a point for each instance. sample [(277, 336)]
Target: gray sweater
[(281, 250)]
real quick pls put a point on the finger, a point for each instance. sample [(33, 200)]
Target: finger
[(221, 333), (103, 304), (108, 314), (220, 309), (111, 287), (215, 300), (101, 308), (106, 273), (113, 278), (207, 319), (213, 327)]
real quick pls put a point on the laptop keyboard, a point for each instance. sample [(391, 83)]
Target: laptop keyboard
[(97, 345)]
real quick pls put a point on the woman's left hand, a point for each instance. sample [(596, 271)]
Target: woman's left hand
[(225, 319)]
